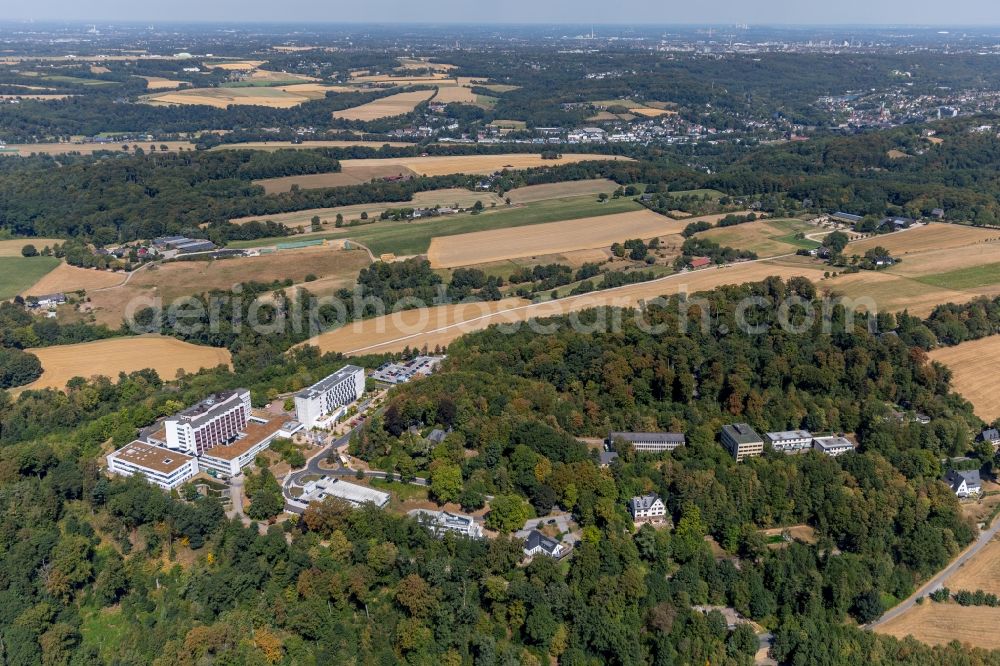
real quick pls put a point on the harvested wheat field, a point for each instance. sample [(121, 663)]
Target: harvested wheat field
[(651, 113), (477, 164), (940, 624), (220, 98), (178, 279), (27, 149), (238, 66), (981, 572), (456, 197), (448, 94), (129, 354), (40, 97), (590, 232), (976, 257), (271, 146), (160, 83), (401, 79), (422, 63), (933, 236), (570, 188), (442, 324), (68, 278), (892, 293), (12, 248), (975, 366), (346, 176), (385, 107)]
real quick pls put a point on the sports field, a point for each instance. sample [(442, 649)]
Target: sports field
[(558, 190), (554, 237), (19, 273), (109, 357), (975, 366), (385, 107)]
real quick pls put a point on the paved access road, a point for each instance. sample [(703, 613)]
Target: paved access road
[(939, 579)]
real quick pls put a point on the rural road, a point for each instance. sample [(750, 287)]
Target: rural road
[(127, 277), (938, 580)]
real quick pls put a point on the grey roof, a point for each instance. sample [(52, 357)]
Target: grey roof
[(832, 442), (437, 435), (536, 539), (955, 477), (665, 437), (329, 381), (848, 216), (742, 433), (643, 502), (608, 457), (990, 435), (785, 435)]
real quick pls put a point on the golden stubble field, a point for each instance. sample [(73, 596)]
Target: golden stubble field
[(939, 624), (336, 267), (548, 238), (27, 149), (128, 354), (442, 324), (571, 188), (12, 248), (386, 107), (445, 197), (975, 366), (65, 278), (271, 146), (356, 171)]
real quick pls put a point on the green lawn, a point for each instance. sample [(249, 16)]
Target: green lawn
[(964, 278), (103, 630), (19, 273), (406, 238), (712, 194)]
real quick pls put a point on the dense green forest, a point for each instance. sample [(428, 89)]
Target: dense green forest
[(99, 571)]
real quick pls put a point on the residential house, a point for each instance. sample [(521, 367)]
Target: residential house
[(964, 483), (647, 508), (790, 441), (442, 522), (539, 544), (991, 435)]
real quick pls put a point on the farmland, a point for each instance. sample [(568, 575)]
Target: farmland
[(558, 190), (564, 236), (172, 280), (443, 324), (220, 98), (270, 146), (975, 365), (160, 83), (409, 238), (19, 273), (110, 357), (447, 197), (26, 149), (939, 624), (386, 107), (767, 238), (355, 171), (12, 248), (73, 278), (932, 236)]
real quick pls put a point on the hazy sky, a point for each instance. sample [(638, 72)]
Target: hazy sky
[(932, 12)]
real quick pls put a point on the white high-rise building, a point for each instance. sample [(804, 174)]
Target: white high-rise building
[(216, 420), (329, 397)]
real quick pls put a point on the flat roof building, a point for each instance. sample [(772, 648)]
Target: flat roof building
[(833, 446), (163, 467), (441, 522), (742, 441), (648, 442), (230, 459), (319, 490), (790, 441), (216, 420), (327, 399)]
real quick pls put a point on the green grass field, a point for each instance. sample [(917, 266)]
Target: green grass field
[(19, 273), (77, 80), (406, 238), (964, 278), (712, 194)]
